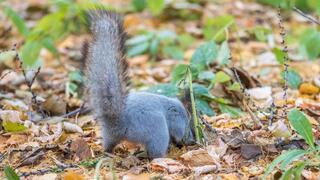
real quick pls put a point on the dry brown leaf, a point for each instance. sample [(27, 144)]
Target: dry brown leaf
[(73, 128), (228, 176), (81, 149), (198, 157), (71, 175), (306, 88), (50, 176), (204, 169), (55, 105), (16, 139), (143, 176), (167, 165)]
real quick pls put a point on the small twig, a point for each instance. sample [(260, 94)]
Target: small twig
[(247, 99), (272, 113), (310, 18), (34, 100), (5, 74), (80, 110)]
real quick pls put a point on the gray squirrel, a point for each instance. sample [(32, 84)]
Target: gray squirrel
[(149, 119)]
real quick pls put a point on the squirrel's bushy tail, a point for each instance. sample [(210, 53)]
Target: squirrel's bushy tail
[(106, 65)]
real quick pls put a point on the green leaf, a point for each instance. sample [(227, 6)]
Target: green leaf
[(261, 33), (204, 107), (169, 90), (185, 40), (224, 54), (221, 77), (200, 90), (290, 158), (30, 52), (216, 28), (278, 160), (13, 126), (302, 125), (154, 46), (294, 79), (276, 3), (235, 87), (48, 43), (165, 35), (174, 52), (280, 55), (309, 44), (206, 75), (17, 20), (156, 6), (204, 55), (75, 76), (10, 173), (234, 112), (179, 73), (139, 39), (287, 175), (138, 49), (298, 170), (139, 5), (71, 88)]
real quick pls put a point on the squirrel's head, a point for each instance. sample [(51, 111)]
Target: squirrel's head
[(180, 123)]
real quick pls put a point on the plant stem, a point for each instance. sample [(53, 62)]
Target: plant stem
[(193, 104)]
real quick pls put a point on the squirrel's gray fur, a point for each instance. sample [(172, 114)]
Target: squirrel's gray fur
[(141, 117)]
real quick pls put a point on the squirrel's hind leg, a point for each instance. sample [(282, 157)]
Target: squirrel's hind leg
[(109, 143), (157, 147), (109, 140)]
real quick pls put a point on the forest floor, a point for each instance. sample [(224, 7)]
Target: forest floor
[(238, 147)]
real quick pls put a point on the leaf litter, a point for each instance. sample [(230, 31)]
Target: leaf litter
[(54, 146)]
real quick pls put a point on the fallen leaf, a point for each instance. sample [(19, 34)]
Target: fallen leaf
[(310, 89), (17, 139), (253, 170), (143, 176), (204, 169), (228, 176), (198, 157), (50, 176), (81, 149), (71, 175), (280, 130), (249, 151), (167, 165), (55, 105), (73, 128)]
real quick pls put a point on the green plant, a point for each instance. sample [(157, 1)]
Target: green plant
[(203, 79), (217, 28), (309, 44), (75, 81), (292, 162), (67, 18), (154, 6), (293, 78), (160, 42), (10, 174), (306, 5)]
